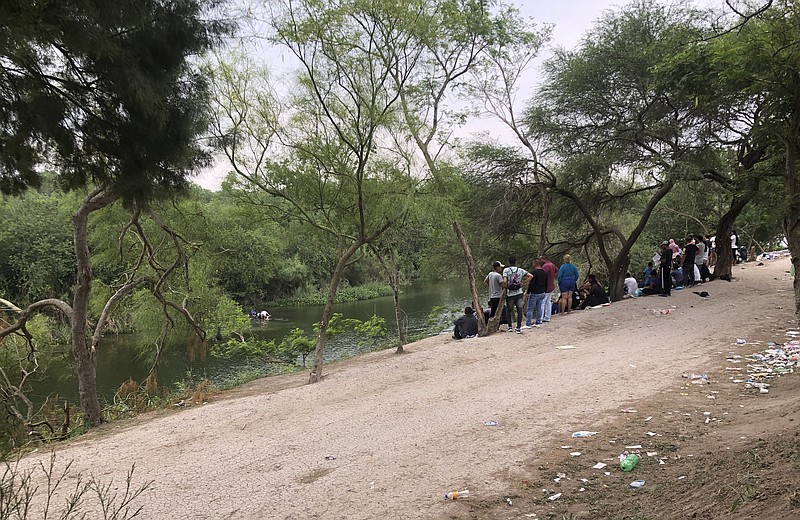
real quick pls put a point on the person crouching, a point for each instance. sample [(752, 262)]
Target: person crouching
[(466, 326)]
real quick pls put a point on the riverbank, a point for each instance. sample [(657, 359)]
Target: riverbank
[(385, 432)]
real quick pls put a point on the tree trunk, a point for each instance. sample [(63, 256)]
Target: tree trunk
[(545, 220), (494, 323), (616, 278), (473, 287), (316, 369), (792, 219), (398, 312), (723, 268), (85, 356)]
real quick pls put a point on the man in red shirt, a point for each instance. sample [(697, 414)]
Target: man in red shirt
[(551, 270)]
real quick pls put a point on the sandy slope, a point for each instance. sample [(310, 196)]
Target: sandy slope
[(405, 429)]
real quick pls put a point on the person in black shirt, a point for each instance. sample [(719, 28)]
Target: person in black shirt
[(689, 254), (466, 326), (665, 265), (595, 294), (537, 293)]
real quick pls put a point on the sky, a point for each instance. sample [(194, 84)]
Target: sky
[(571, 19)]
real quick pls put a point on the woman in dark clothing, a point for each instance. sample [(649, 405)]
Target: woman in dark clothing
[(596, 295), (665, 265)]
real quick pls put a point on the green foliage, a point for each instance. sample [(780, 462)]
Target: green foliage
[(296, 343), (36, 257), (374, 327), (347, 294), (106, 91)]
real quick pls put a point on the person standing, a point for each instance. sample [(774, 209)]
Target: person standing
[(689, 256), (705, 273), (676, 250), (495, 282), (698, 259), (513, 279), (537, 291), (567, 284), (552, 271), (665, 265), (735, 246)]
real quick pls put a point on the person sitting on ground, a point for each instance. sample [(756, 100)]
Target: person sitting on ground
[(677, 275), (466, 326), (653, 288), (630, 285), (595, 294), (649, 272)]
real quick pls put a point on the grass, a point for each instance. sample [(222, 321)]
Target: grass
[(744, 490)]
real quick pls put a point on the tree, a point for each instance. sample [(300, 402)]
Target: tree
[(621, 136), (326, 167), (496, 86), (105, 94), (452, 41), (767, 50)]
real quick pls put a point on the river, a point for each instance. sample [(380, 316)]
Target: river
[(118, 359)]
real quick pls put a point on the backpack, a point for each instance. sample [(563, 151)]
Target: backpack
[(514, 282)]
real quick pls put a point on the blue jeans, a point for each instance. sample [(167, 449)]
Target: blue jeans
[(535, 302)]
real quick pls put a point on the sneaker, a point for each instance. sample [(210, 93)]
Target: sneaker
[(537, 325), (545, 321), (519, 331), (526, 326)]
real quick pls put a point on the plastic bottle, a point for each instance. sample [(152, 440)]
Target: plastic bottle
[(456, 495), (629, 462)]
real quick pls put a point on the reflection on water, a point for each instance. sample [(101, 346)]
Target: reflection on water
[(117, 359)]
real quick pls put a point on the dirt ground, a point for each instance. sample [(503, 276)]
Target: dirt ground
[(385, 435)]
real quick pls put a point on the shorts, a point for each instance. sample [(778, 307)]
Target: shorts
[(567, 285)]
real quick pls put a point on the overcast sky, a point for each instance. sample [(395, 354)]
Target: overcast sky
[(571, 19)]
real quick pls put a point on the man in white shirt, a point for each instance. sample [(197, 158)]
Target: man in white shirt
[(630, 285)]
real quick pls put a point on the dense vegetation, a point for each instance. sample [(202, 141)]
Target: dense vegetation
[(345, 172)]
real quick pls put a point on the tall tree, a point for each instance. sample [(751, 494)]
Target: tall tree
[(453, 40), (623, 137), (326, 167), (758, 55), (105, 94)]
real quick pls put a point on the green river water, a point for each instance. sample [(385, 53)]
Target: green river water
[(118, 360)]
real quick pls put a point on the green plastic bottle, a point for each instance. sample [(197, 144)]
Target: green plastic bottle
[(629, 462)]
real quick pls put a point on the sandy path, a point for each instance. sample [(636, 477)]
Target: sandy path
[(406, 429)]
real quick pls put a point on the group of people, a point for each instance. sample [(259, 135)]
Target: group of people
[(530, 294), (677, 267), (259, 315)]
